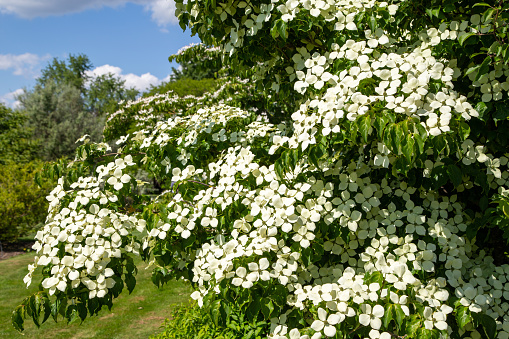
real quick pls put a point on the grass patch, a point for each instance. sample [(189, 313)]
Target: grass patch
[(138, 315)]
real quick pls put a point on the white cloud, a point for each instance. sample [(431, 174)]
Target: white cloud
[(162, 10), (140, 82), (27, 64), (10, 99)]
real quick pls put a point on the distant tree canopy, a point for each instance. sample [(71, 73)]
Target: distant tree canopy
[(67, 102), (205, 68), (183, 87), (106, 92), (73, 72), (57, 116), (22, 203)]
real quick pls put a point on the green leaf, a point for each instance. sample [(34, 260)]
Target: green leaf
[(279, 29), (392, 138), (481, 4), (472, 69), (487, 325), (364, 123), (455, 174), (433, 12), (380, 122), (71, 314), (189, 241), (92, 305), (400, 315), (420, 136), (313, 156), (407, 148), (373, 23), (464, 130), (388, 315), (463, 316), (412, 326), (374, 277), (488, 14), (481, 108), (307, 255), (439, 144), (278, 167), (462, 39), (254, 308), (130, 282), (427, 334), (47, 308), (495, 48), (17, 318), (215, 313), (501, 113), (484, 203), (82, 311), (505, 208), (484, 69), (267, 307)]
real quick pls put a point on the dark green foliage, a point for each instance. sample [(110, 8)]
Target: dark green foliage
[(192, 71), (15, 142), (105, 93), (184, 86), (22, 203), (57, 117), (72, 72)]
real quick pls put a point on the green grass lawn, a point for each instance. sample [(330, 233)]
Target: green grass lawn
[(138, 315)]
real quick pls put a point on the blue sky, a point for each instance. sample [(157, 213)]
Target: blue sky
[(131, 39)]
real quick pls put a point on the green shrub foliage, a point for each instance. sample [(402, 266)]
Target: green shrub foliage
[(183, 87), (348, 180), (23, 204), (15, 139), (192, 321), (206, 67)]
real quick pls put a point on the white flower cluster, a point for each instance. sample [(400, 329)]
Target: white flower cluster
[(79, 240), (344, 97), (141, 111)]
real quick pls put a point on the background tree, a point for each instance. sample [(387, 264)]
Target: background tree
[(72, 72), (57, 116), (22, 203), (67, 103), (16, 144), (105, 93), (197, 73)]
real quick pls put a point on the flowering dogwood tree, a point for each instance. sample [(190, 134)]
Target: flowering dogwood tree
[(347, 180)]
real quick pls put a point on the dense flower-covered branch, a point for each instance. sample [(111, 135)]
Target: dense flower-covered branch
[(350, 198)]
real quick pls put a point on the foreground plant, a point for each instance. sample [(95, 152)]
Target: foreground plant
[(350, 199)]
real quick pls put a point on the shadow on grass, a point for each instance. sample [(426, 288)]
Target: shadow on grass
[(138, 315)]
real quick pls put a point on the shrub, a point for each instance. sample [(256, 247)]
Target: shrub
[(193, 321), (23, 206)]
